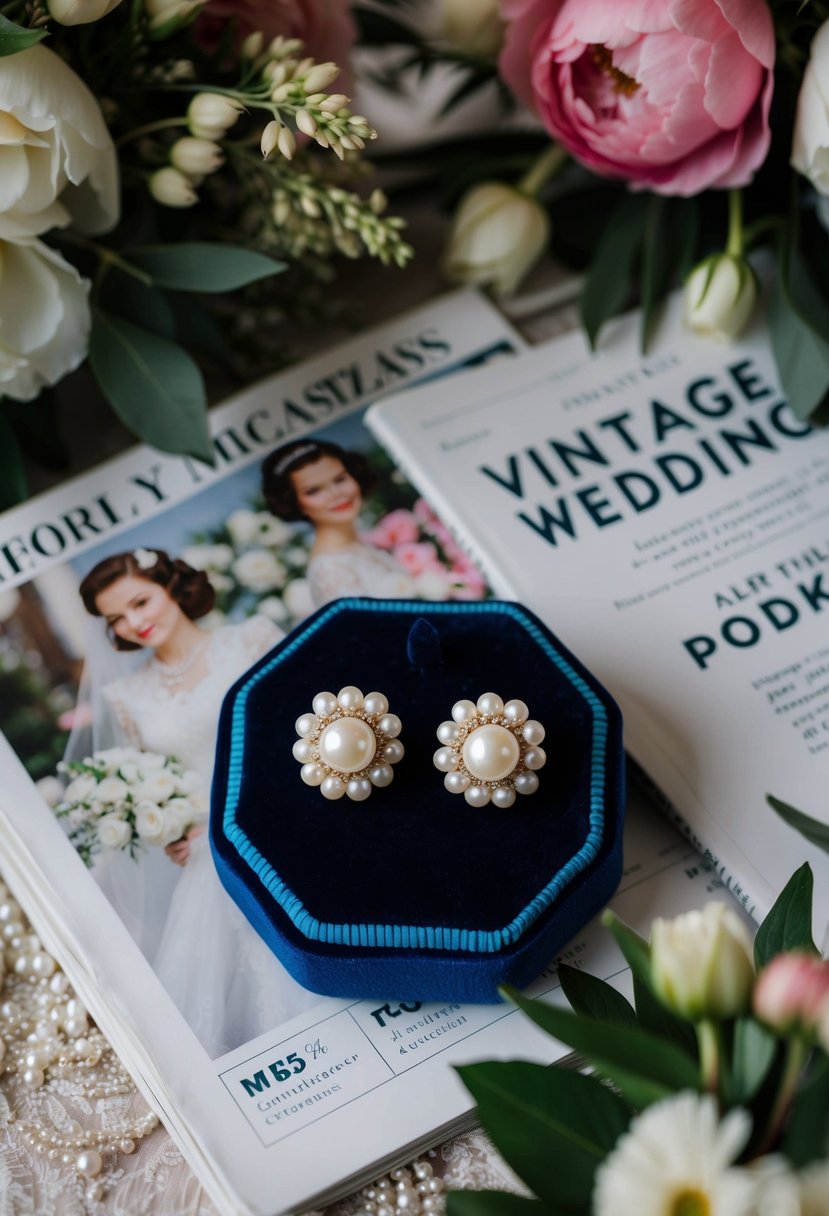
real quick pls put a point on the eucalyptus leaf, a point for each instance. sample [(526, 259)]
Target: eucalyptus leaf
[(497, 1203), (815, 832), (788, 925), (609, 277), (644, 1067), (14, 38), (807, 1133), (202, 265), (752, 1055), (153, 385), (594, 998), (553, 1127), (12, 476)]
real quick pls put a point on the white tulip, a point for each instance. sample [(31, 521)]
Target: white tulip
[(702, 963), (472, 26), (196, 157), (720, 295), (114, 832), (497, 235), (57, 161), (80, 12), (210, 115), (44, 316), (166, 16), (810, 144), (172, 188)]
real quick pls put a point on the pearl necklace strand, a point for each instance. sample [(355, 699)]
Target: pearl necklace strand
[(172, 674), (47, 1044)]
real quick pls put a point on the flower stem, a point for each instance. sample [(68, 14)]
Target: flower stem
[(542, 169), (735, 246), (708, 1037), (795, 1056)]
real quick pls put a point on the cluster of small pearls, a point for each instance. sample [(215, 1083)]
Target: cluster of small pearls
[(411, 1190), (46, 1037), (490, 751), (348, 743)]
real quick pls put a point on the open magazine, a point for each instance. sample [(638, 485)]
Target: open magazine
[(668, 517), (280, 1099)]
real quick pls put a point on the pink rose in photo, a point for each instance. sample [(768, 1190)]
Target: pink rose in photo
[(325, 26), (397, 528), (672, 95), (418, 558)]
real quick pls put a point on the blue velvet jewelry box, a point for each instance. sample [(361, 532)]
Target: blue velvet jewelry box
[(413, 892)]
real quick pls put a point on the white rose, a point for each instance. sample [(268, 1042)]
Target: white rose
[(158, 787), (208, 557), (44, 312), (271, 531), (810, 144), (188, 782), (129, 772), (114, 832), (720, 295), (296, 556), (200, 806), (80, 790), (473, 26), (57, 160), (178, 817), (273, 608), (243, 526), (220, 582), (111, 758), (150, 762), (150, 823), (298, 600), (497, 234), (259, 570), (112, 789), (50, 790), (431, 585), (80, 12)]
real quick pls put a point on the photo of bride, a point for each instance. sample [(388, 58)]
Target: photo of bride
[(221, 975)]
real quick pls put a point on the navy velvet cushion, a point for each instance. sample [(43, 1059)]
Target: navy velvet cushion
[(413, 893)]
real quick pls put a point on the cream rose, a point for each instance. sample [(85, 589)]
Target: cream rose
[(158, 787), (113, 832), (810, 146), (44, 315), (112, 789), (57, 161), (151, 823), (259, 570)]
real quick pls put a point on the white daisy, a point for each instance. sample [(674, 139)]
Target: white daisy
[(676, 1159)]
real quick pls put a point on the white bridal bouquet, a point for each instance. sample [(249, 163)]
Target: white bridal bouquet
[(122, 798)]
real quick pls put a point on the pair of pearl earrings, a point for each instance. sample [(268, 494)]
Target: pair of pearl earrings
[(490, 750)]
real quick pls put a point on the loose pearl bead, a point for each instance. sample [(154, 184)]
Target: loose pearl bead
[(477, 795), (381, 775), (491, 752), (393, 751), (306, 724), (516, 711), (34, 1076), (390, 725), (448, 732), (456, 782), (324, 704), (347, 745), (533, 732), (462, 710), (311, 774), (445, 759), (535, 757), (503, 796), (127, 1145), (376, 703), (58, 984), (303, 750), (89, 1163), (332, 788), (423, 1170), (490, 703), (526, 783), (76, 1027), (358, 789), (350, 697)]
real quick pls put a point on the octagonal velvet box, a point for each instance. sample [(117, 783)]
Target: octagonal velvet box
[(413, 893)]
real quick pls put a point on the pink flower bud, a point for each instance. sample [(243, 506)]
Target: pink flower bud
[(791, 994)]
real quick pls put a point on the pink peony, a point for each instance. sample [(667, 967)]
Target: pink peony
[(397, 528), (325, 26), (672, 95), (418, 558)]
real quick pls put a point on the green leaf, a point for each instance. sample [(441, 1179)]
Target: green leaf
[(656, 264), (153, 385), (594, 998), (12, 475), (635, 949), (147, 307), (202, 266), (645, 1068), (608, 281), (815, 832), (800, 351), (14, 38), (495, 1203), (654, 1016), (751, 1058), (553, 1127), (788, 925), (807, 1133)]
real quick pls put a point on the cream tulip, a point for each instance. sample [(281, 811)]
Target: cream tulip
[(57, 161), (44, 318), (80, 12), (810, 145), (472, 26), (720, 295), (701, 963), (497, 235)]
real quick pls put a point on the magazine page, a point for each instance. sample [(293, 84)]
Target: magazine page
[(667, 516)]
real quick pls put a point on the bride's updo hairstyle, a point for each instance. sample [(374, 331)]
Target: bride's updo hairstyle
[(277, 486), (190, 588)]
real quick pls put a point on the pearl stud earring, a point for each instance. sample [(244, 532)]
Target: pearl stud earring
[(490, 751), (348, 743)]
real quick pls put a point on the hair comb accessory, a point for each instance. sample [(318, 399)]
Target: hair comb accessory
[(490, 751), (292, 457), (348, 743), (145, 559)]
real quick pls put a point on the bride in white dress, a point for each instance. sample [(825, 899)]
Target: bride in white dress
[(221, 975), (320, 482)]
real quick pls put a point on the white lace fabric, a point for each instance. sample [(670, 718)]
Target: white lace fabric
[(358, 570)]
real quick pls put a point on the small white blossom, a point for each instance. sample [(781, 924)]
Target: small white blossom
[(259, 570)]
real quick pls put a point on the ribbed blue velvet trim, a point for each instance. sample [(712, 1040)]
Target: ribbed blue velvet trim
[(417, 937)]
